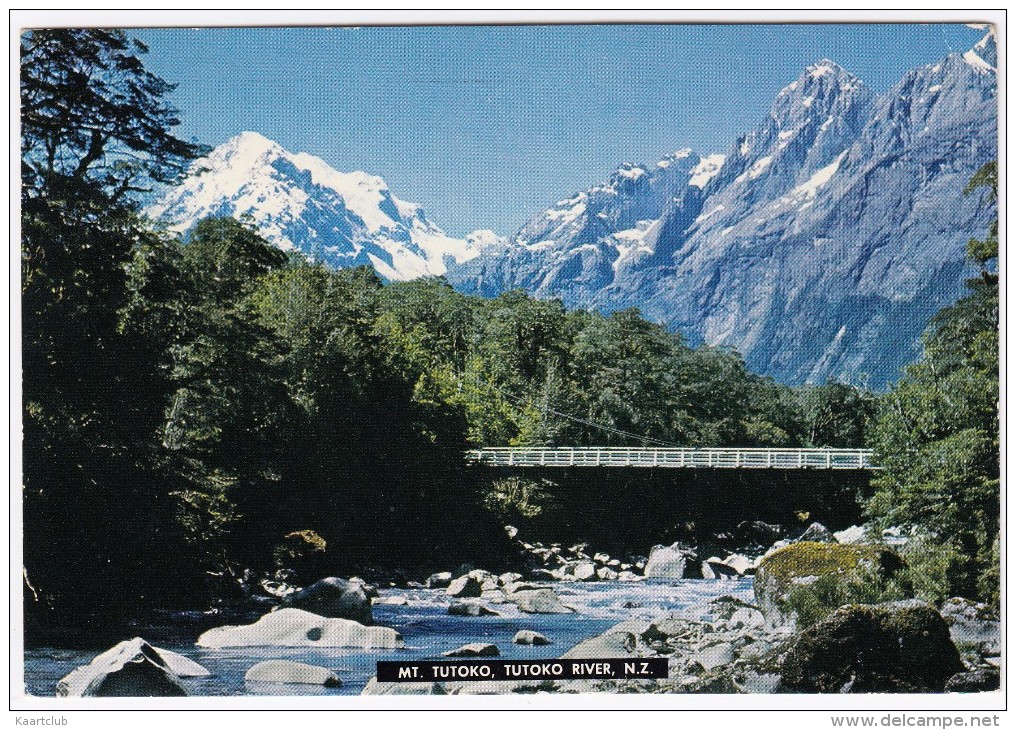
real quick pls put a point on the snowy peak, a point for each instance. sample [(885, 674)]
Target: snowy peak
[(984, 55), (300, 203)]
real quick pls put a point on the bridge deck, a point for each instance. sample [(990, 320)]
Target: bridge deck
[(676, 458)]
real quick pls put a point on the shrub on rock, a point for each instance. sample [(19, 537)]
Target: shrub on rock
[(301, 552), (803, 582)]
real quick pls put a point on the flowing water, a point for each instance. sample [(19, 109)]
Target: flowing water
[(428, 631)]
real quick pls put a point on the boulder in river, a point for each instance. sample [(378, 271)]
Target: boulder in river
[(667, 562), (287, 672), (439, 580), (526, 637), (470, 608), (295, 627), (541, 600), (333, 598), (982, 679), (585, 571), (465, 586), (606, 573), (891, 647), (132, 668), (506, 578), (612, 645), (851, 535), (477, 649)]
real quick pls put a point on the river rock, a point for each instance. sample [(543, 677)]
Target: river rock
[(627, 575), (465, 587), (295, 627), (530, 638), (816, 532), (520, 586), (606, 573), (601, 558), (667, 562), (470, 608), (511, 532), (824, 570), (973, 625), (540, 600), (506, 578), (391, 601), (585, 571), (715, 569), (439, 580), (851, 535), (287, 672), (333, 598), (892, 647), (477, 649), (132, 668), (612, 645)]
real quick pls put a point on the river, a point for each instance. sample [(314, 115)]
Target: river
[(428, 631)]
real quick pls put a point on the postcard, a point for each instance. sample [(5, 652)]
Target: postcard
[(516, 359)]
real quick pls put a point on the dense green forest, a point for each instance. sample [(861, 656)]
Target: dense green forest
[(188, 405)]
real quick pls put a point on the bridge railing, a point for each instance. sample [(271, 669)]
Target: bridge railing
[(686, 458)]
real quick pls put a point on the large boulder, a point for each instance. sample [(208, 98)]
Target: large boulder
[(973, 626), (585, 571), (333, 598), (893, 647), (132, 668), (667, 562), (802, 582), (540, 600), (465, 586), (287, 672), (982, 679), (295, 627)]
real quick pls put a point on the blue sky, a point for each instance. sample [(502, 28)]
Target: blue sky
[(486, 126)]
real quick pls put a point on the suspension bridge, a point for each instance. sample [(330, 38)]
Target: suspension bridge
[(675, 458)]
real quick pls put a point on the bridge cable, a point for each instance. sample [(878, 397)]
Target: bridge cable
[(547, 408)]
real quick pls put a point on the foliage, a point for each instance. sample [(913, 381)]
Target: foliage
[(814, 602), (515, 500), (933, 568), (937, 431)]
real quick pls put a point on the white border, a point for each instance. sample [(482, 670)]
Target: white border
[(730, 705)]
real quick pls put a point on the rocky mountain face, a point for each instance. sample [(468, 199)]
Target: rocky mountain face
[(819, 245), (300, 203)]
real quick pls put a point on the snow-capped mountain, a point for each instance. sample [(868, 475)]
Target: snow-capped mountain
[(819, 244), (300, 203)]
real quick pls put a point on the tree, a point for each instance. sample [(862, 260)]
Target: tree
[(937, 433), (95, 130), (91, 113)]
